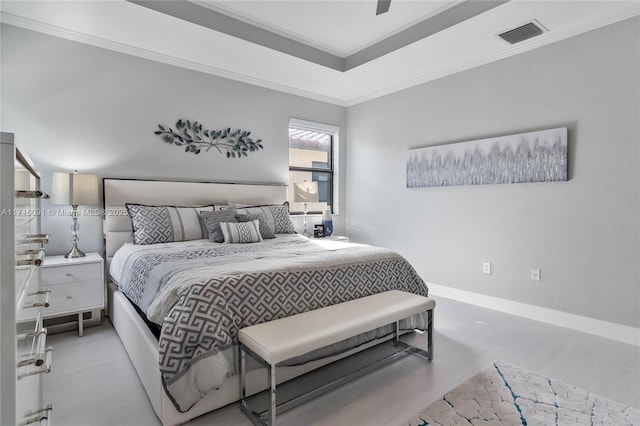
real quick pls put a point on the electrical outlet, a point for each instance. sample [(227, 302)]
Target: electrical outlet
[(486, 267), (535, 274)]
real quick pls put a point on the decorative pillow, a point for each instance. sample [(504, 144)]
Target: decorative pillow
[(212, 222), (241, 232), (265, 231), (277, 216), (166, 224)]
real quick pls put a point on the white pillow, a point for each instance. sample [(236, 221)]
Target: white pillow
[(241, 232)]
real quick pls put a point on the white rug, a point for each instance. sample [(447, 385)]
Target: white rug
[(507, 395)]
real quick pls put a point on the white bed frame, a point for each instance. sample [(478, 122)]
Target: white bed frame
[(140, 343)]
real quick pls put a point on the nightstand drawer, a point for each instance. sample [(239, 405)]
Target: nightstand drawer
[(71, 274), (74, 297)]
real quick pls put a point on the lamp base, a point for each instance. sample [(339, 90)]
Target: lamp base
[(304, 221), (75, 252)]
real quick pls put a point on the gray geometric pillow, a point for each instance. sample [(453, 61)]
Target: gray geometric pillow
[(166, 224), (277, 217), (240, 233), (265, 231), (282, 219), (212, 222)]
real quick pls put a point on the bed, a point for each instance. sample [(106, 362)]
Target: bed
[(187, 367)]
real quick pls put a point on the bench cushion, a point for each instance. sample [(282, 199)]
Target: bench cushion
[(285, 338)]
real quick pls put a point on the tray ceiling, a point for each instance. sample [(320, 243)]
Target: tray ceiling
[(341, 28), (333, 51)]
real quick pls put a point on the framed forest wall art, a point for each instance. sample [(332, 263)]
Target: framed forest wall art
[(539, 156)]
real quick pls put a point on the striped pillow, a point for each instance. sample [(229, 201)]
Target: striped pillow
[(265, 231), (166, 224), (241, 232)]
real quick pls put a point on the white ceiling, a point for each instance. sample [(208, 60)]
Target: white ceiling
[(341, 28)]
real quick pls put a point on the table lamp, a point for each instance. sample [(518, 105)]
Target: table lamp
[(305, 192), (74, 189)]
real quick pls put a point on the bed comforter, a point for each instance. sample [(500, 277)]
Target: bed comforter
[(202, 293)]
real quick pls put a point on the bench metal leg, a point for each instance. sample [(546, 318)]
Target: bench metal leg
[(430, 335), (272, 395), (244, 405), (267, 417), (428, 354), (243, 374)]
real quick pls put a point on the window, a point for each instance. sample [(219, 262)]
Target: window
[(312, 159)]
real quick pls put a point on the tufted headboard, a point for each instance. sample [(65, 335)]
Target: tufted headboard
[(117, 192)]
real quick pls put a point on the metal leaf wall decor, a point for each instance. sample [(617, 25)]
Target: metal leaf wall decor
[(195, 138)]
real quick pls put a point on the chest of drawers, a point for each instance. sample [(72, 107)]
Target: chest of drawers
[(25, 357)]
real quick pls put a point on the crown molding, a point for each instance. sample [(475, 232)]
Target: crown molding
[(56, 31), (546, 39)]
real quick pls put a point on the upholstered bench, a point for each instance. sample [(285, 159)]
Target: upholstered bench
[(274, 342)]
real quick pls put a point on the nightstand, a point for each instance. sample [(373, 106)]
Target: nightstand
[(77, 285)]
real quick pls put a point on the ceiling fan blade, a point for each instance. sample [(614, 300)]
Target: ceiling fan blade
[(383, 6)]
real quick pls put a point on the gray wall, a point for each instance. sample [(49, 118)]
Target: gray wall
[(583, 234), (74, 106)]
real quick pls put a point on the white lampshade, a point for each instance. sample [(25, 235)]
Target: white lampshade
[(74, 189), (305, 192)]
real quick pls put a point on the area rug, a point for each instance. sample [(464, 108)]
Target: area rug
[(504, 394)]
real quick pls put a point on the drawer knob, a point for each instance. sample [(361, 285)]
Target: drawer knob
[(69, 297), (68, 274)]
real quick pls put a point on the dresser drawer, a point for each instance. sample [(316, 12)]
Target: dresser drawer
[(71, 274), (74, 297)]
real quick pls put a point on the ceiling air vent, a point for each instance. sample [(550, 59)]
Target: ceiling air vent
[(523, 32)]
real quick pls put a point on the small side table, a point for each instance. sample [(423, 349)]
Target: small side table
[(77, 286)]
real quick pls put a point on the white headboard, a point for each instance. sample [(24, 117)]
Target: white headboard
[(118, 192)]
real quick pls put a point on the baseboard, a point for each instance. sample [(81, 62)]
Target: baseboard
[(608, 330)]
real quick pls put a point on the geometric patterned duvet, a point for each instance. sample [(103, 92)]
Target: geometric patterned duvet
[(202, 293)]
